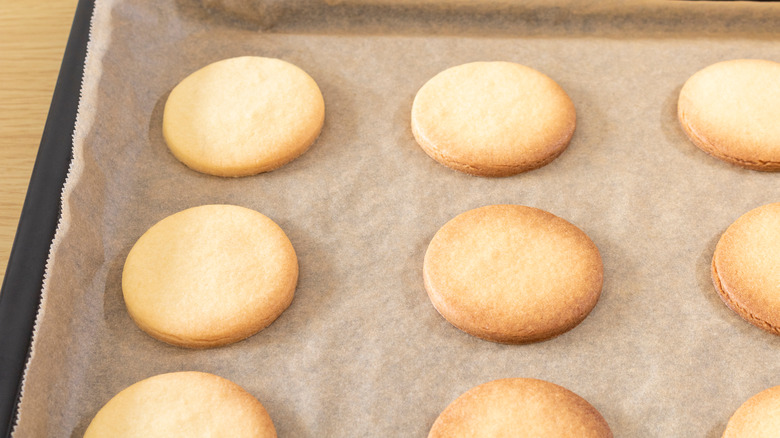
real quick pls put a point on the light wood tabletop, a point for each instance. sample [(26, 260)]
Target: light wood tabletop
[(33, 35)]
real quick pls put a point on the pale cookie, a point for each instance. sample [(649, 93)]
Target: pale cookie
[(242, 116), (522, 408), (745, 267), (492, 118), (759, 417), (184, 404), (209, 276), (513, 274), (731, 110)]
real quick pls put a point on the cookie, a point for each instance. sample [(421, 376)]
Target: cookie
[(184, 404), (512, 274), (745, 267), (492, 118), (731, 110), (209, 276), (526, 408), (242, 116), (759, 417)]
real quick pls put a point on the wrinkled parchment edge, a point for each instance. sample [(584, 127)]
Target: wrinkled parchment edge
[(85, 117)]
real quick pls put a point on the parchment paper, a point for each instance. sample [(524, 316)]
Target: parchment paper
[(361, 352)]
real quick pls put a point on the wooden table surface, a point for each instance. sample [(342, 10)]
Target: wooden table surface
[(33, 35)]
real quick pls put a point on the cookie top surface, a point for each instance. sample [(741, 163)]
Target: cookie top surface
[(183, 404), (758, 417), (514, 274), (492, 118), (209, 276), (242, 116), (746, 267), (526, 408), (731, 111)]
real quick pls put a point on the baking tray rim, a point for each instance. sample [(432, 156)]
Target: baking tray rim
[(21, 290)]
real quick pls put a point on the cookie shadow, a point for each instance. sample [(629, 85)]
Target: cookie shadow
[(403, 123), (670, 124), (409, 152), (340, 128), (81, 426), (717, 431), (156, 144), (590, 142), (315, 289), (125, 338), (422, 315), (157, 150), (704, 278), (171, 181), (118, 322)]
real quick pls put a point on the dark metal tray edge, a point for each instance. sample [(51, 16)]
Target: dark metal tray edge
[(21, 290)]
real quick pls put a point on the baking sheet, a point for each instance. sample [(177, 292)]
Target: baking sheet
[(361, 351)]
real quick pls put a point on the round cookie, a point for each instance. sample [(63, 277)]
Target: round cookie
[(731, 110), (512, 274), (242, 116), (745, 267), (759, 417), (492, 118), (527, 408), (184, 404), (209, 276)]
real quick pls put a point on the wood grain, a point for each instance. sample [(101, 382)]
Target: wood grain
[(33, 35)]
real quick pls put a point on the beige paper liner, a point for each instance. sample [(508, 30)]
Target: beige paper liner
[(361, 351)]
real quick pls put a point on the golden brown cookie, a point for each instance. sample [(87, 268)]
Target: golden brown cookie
[(242, 116), (492, 118), (746, 267), (522, 408), (513, 274), (759, 417), (731, 110), (184, 404), (209, 276)]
